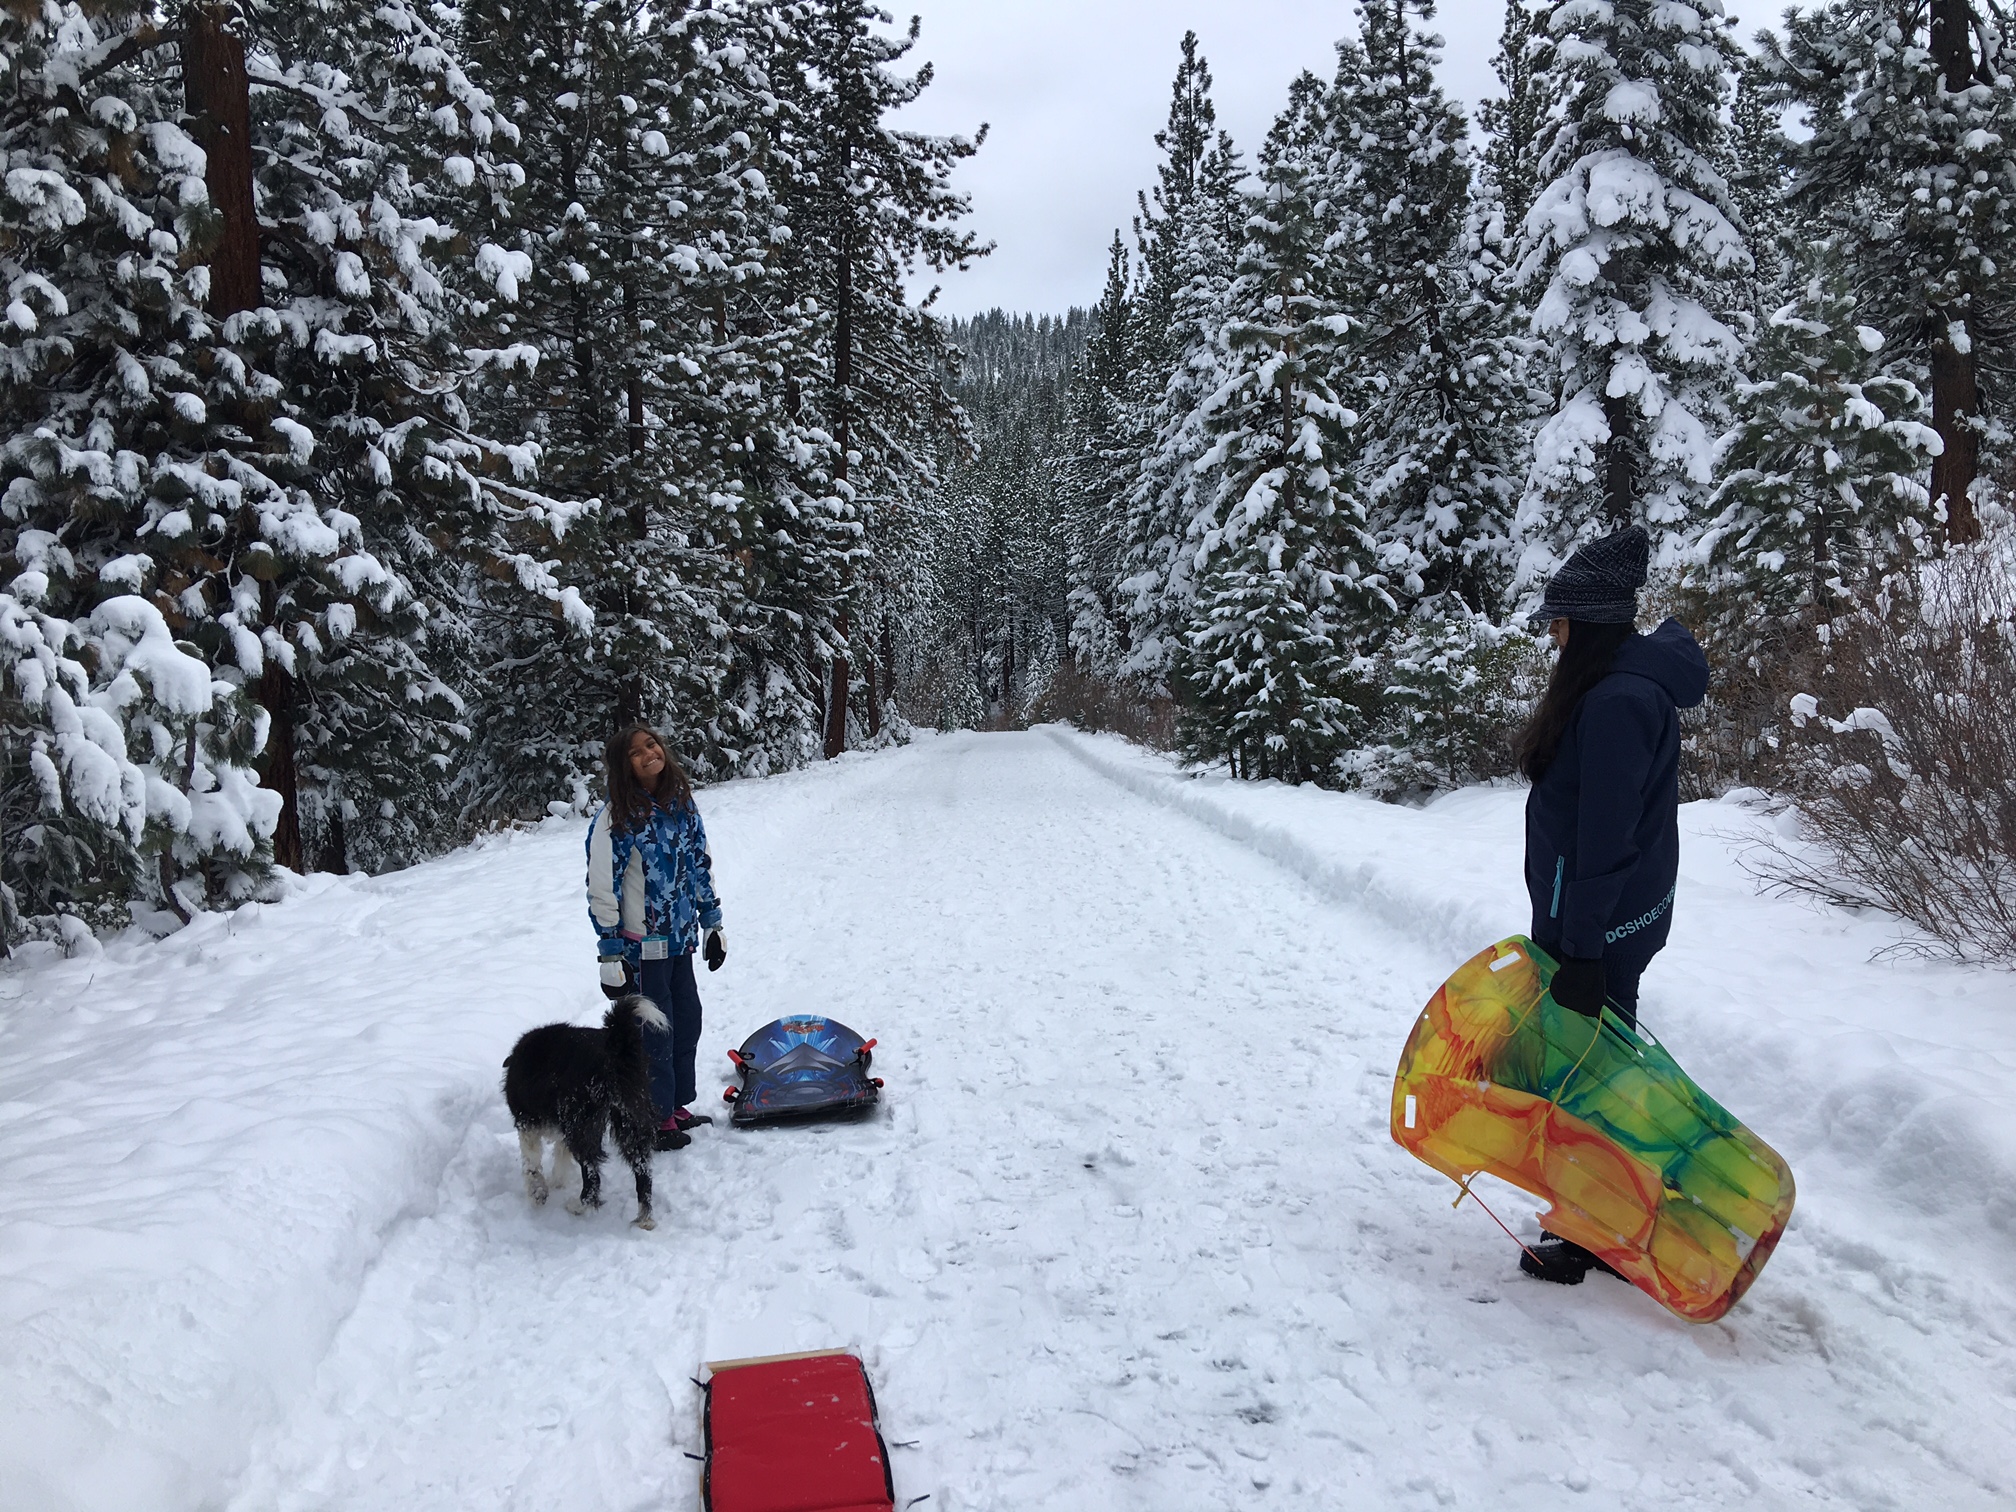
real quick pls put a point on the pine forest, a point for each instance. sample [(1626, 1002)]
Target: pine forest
[(397, 400)]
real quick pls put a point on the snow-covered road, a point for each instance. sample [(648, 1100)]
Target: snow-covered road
[(1129, 1232)]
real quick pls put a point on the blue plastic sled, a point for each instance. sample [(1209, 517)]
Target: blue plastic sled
[(803, 1068)]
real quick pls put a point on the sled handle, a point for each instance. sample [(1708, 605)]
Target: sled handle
[(728, 1094)]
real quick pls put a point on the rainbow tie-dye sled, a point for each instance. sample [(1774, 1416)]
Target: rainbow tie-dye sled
[(1642, 1167)]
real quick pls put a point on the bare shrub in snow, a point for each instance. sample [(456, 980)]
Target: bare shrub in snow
[(1902, 756), (1090, 702)]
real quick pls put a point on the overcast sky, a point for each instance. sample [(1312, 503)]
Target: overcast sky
[(1074, 91)]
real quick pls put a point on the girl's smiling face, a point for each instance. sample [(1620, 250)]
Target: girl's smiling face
[(647, 760)]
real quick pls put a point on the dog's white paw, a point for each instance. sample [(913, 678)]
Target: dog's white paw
[(576, 1206), (535, 1188), (645, 1221)]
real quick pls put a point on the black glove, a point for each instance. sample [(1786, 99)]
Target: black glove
[(715, 949), (619, 978), (1580, 985)]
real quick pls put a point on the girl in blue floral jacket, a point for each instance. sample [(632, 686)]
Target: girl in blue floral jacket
[(651, 899)]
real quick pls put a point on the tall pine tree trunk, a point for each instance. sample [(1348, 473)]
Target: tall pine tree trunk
[(836, 693), (166, 858), (1956, 388), (277, 692), (630, 698), (335, 857), (1956, 399), (1823, 563), (843, 381), (1620, 482), (219, 99), (218, 96), (1008, 667), (888, 659)]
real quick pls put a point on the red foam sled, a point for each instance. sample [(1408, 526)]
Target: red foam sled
[(794, 1433)]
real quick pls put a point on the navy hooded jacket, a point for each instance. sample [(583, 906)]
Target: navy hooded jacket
[(1603, 821)]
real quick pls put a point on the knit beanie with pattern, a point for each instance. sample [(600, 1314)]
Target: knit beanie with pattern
[(1599, 584)]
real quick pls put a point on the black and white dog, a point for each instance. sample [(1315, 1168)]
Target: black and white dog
[(568, 1084)]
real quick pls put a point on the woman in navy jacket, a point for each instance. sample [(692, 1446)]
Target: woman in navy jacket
[(1603, 818)]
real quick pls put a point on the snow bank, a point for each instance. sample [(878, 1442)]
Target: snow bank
[(1824, 1029), (207, 1141)]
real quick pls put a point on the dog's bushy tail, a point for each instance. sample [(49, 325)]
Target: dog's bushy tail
[(623, 1027), (626, 1013)]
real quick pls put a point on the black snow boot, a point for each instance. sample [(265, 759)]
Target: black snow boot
[(674, 1139), (1560, 1260)]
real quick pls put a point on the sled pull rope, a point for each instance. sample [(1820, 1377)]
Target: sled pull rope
[(1463, 1190)]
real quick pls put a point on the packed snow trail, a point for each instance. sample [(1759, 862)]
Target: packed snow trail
[(1128, 1233)]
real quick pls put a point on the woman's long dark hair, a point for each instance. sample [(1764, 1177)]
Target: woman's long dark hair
[(1584, 662), (629, 800)]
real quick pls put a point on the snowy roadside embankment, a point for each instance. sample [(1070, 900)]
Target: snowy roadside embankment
[(205, 1153), (1897, 1073)]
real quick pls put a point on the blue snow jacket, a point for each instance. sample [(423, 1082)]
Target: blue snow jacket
[(656, 879), (1603, 821)]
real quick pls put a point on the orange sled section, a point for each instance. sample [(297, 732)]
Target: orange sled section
[(794, 1433)]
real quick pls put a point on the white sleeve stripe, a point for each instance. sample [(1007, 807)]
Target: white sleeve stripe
[(602, 900)]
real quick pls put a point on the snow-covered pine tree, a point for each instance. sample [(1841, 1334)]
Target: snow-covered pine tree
[(1449, 668), (1632, 247), (1512, 123), (868, 203), (1102, 450), (1911, 162), (1760, 173), (1438, 379), (1437, 362), (649, 226), (125, 760), (334, 492), (1452, 687), (1186, 141), (1157, 560), (72, 807), (1263, 671), (1820, 489)]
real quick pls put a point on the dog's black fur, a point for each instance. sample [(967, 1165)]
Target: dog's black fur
[(569, 1084)]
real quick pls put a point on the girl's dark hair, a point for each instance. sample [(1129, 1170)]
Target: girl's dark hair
[(1585, 661), (629, 800)]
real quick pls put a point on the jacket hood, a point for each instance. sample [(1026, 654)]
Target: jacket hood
[(1670, 657)]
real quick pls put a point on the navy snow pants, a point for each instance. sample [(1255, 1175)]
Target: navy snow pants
[(669, 984)]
